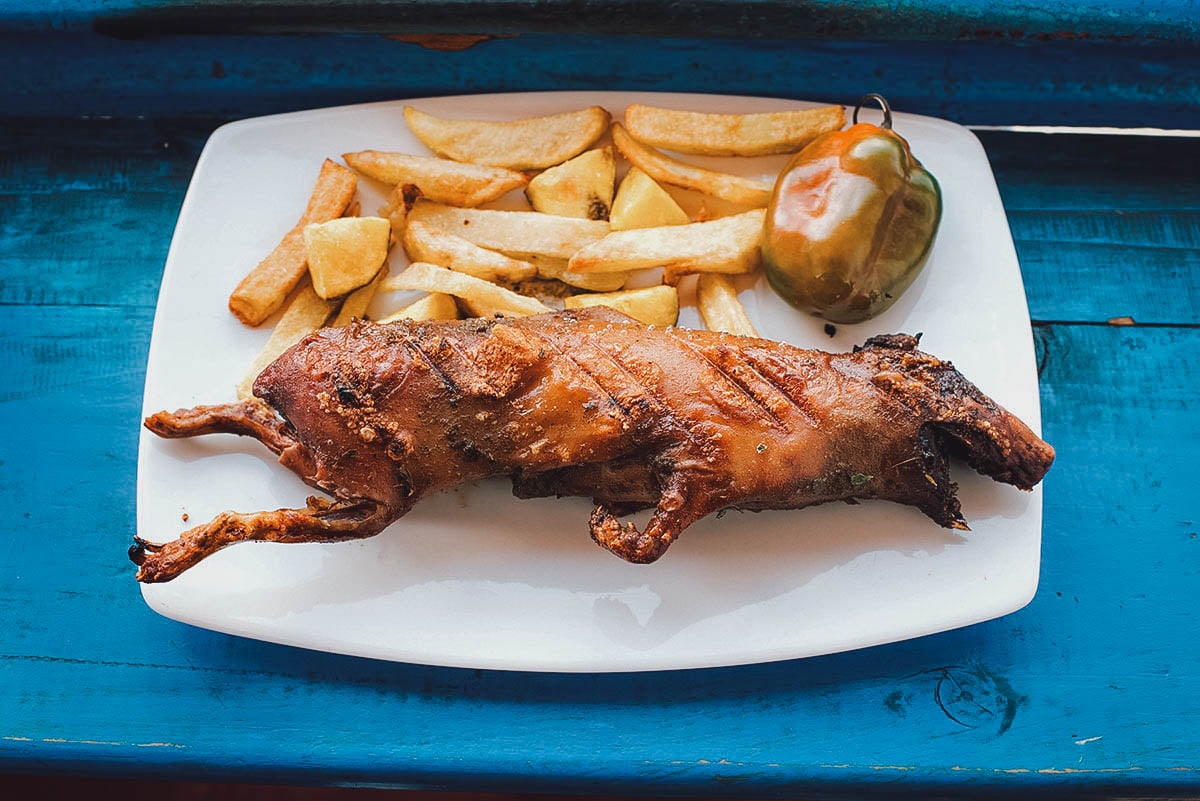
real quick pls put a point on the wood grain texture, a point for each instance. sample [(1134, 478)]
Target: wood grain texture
[(1063, 81), (1090, 689), (1104, 226), (1114, 20)]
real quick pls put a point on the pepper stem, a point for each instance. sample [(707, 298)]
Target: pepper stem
[(883, 104)]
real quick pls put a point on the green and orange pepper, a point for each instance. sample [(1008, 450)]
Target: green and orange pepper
[(851, 222)]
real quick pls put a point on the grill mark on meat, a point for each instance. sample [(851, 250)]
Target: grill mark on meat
[(642, 403), (586, 373), (425, 358), (773, 377), (745, 390)]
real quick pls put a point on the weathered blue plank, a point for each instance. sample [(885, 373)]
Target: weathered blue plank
[(1113, 20), (1063, 82)]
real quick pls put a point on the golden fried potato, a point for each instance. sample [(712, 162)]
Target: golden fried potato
[(345, 253), (642, 203), (441, 180), (652, 305), (478, 293), (533, 143), (704, 134), (521, 234), (725, 245), (266, 287), (579, 187), (666, 170), (717, 300)]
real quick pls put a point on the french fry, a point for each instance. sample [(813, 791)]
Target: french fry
[(532, 143), (652, 305), (725, 245), (442, 180), (666, 170), (428, 243), (717, 300), (346, 253), (266, 287), (356, 303), (704, 134), (434, 306), (521, 234), (306, 313), (476, 291)]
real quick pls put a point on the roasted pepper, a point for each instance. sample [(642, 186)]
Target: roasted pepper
[(851, 222)]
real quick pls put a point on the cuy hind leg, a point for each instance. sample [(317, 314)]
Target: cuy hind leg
[(680, 503)]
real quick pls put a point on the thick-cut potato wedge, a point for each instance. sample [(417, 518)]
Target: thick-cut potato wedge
[(428, 243), (521, 234), (533, 143), (762, 134), (476, 291), (306, 313), (642, 203), (434, 306), (266, 287), (356, 303), (652, 305), (579, 187), (725, 245), (442, 180), (346, 253), (717, 300), (666, 170)]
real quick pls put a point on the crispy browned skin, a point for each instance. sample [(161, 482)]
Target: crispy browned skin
[(591, 403)]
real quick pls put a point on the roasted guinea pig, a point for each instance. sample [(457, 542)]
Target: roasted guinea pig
[(591, 403)]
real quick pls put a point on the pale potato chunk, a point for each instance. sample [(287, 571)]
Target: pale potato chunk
[(579, 187), (642, 203), (345, 253)]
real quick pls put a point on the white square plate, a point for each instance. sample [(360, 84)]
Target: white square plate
[(477, 578)]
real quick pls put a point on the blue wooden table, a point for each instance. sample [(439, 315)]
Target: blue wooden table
[(1090, 690)]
